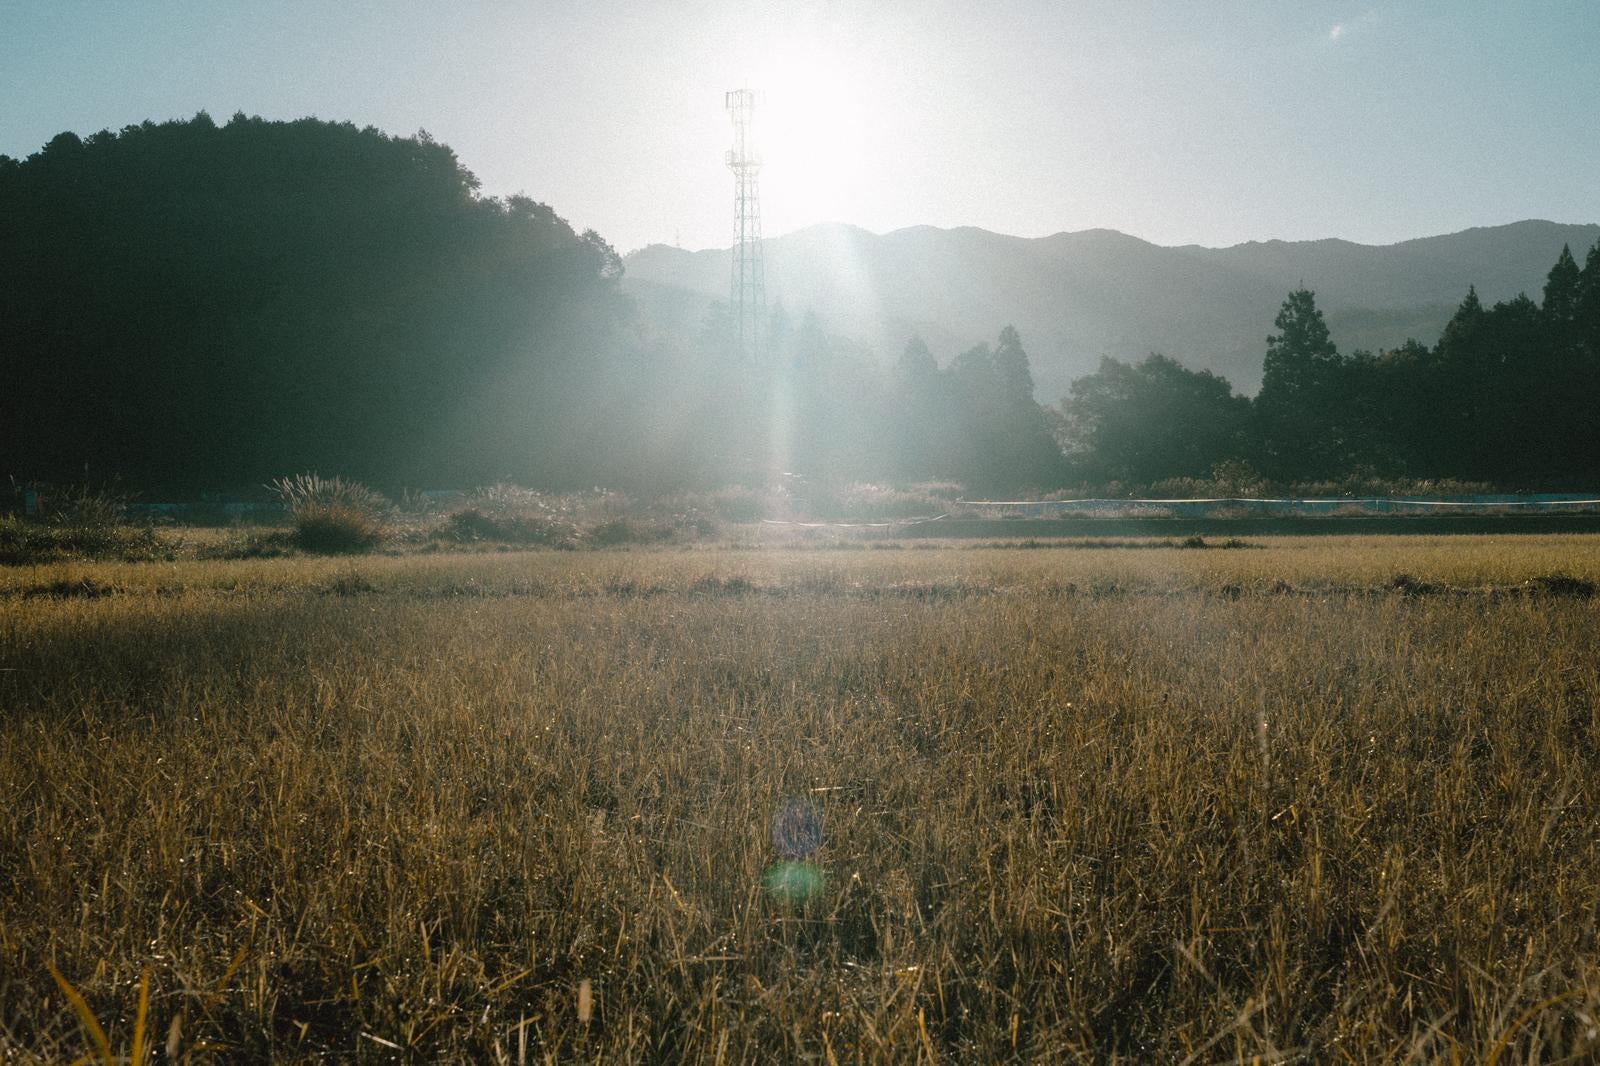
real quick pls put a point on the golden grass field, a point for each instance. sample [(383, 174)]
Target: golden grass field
[(1138, 804)]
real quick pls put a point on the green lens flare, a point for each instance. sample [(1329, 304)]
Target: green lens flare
[(792, 882)]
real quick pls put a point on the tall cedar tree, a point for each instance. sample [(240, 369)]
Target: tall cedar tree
[(1299, 388)]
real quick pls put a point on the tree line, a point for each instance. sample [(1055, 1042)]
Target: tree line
[(190, 306), (1506, 396)]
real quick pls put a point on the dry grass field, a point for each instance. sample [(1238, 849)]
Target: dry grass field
[(1326, 800)]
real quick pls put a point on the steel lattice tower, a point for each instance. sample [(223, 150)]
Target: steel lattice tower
[(747, 298)]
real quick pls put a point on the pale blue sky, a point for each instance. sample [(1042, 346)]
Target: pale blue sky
[(1211, 123)]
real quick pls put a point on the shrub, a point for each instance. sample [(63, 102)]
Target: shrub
[(734, 503), (472, 525), (332, 516), (1563, 585), (629, 531), (79, 522), (1237, 478), (1230, 479), (25, 543), (85, 506), (1407, 585), (504, 497), (337, 529), (1365, 483), (864, 502), (250, 544)]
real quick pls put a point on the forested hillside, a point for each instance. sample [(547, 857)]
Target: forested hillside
[(189, 306)]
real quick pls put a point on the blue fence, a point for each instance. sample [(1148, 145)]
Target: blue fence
[(1335, 507)]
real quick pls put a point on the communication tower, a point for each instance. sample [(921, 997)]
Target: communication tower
[(747, 298)]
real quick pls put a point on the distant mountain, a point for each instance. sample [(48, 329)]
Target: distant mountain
[(1078, 296)]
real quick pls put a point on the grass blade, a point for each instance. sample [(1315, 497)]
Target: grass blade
[(91, 1026)]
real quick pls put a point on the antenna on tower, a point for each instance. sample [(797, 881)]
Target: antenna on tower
[(747, 297)]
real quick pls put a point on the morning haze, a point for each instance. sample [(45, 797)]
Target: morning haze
[(799, 532)]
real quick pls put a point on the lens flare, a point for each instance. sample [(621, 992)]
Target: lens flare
[(792, 882), (796, 829), (797, 834)]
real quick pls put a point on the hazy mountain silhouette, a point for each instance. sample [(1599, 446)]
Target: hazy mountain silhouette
[(1078, 296)]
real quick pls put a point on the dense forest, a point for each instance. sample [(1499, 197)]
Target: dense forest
[(1507, 396), (190, 307)]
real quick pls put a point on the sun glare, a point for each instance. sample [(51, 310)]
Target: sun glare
[(813, 130)]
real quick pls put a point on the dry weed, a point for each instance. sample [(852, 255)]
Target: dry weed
[(1073, 805)]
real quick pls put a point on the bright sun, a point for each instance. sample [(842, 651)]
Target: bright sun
[(813, 128)]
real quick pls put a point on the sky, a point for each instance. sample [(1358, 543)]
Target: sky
[(1209, 123)]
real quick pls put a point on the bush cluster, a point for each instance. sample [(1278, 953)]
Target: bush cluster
[(333, 516), (473, 524)]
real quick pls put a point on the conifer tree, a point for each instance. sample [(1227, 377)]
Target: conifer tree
[(1588, 303), (1300, 351), (1011, 363), (1299, 389), (1464, 326), (1560, 308), (916, 364)]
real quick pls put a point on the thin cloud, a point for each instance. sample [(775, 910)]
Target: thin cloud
[(1341, 31)]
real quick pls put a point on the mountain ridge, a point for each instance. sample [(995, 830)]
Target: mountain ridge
[(1080, 294)]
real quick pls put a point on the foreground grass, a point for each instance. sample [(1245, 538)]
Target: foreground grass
[(1155, 805)]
